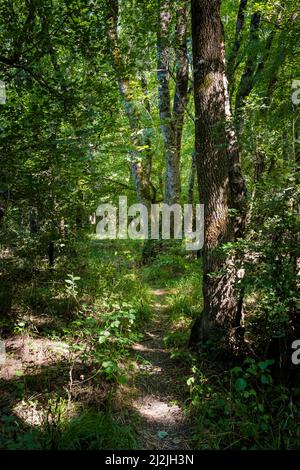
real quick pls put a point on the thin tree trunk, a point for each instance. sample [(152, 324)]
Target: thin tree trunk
[(221, 185), (259, 165), (274, 69), (172, 182), (191, 187), (148, 143), (232, 60), (51, 254), (253, 68), (268, 46), (141, 173), (192, 179), (182, 77), (172, 120), (247, 79)]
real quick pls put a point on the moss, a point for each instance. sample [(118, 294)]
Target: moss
[(206, 83)]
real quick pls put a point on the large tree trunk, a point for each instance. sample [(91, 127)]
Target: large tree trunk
[(221, 185), (172, 121)]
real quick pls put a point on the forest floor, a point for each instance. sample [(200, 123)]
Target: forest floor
[(99, 360), (156, 391), (111, 359), (160, 385)]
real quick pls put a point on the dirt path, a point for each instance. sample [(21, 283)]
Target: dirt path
[(159, 383)]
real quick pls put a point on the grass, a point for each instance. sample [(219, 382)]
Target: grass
[(88, 430), (73, 328)]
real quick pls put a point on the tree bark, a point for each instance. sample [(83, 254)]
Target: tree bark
[(221, 185), (182, 77), (172, 120), (141, 173), (51, 253), (192, 179)]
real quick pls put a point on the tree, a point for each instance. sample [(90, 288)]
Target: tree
[(141, 165), (256, 61), (233, 57), (221, 185), (172, 120), (51, 165)]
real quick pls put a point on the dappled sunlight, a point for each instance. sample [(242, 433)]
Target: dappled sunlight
[(149, 226), (158, 388), (158, 412), (23, 352)]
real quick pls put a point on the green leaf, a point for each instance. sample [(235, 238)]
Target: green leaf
[(240, 384), (102, 339), (108, 364), (266, 379), (122, 379), (236, 370), (265, 364)]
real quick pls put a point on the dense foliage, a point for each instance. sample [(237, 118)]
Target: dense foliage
[(89, 116)]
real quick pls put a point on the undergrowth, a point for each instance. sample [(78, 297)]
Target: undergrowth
[(97, 304)]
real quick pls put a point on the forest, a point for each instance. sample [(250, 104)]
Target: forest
[(117, 116)]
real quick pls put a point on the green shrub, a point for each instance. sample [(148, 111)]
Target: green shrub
[(243, 409)]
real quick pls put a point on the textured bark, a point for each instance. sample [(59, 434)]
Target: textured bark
[(148, 143), (232, 60), (182, 75), (2, 212), (259, 165), (172, 182), (141, 173), (172, 120), (51, 254), (221, 185), (192, 179), (33, 221)]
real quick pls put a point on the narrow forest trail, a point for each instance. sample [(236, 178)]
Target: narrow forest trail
[(159, 385)]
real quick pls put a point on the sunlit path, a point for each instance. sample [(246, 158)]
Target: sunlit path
[(160, 386)]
